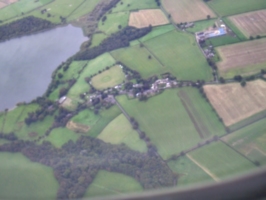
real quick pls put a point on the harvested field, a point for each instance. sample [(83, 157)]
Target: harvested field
[(4, 3), (234, 103), (187, 10), (77, 127), (144, 18), (251, 24), (242, 58)]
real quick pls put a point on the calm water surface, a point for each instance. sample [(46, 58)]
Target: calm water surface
[(27, 63)]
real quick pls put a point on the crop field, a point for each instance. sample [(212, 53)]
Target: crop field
[(20, 178), (187, 10), (176, 51), (145, 66), (97, 39), (250, 141), (234, 103), (93, 67), (242, 58), (4, 3), (108, 78), (252, 23), (169, 127), (113, 21), (201, 113), (18, 8), (127, 5), (234, 29), (145, 18), (111, 183), (226, 7), (120, 131), (59, 136), (189, 172), (220, 161), (156, 31)]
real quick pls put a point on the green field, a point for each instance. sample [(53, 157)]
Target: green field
[(56, 92), (84, 8), (22, 6), (145, 66), (201, 25), (86, 117), (188, 172), (126, 5), (73, 71), (109, 78), (250, 141), (204, 117), (110, 183), (92, 68), (23, 179), (97, 38), (177, 51), (226, 7), (220, 161), (222, 40), (232, 26), (120, 131), (164, 119), (113, 20), (59, 136), (156, 31)]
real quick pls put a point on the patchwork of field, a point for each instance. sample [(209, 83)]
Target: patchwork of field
[(127, 5), (120, 131), (111, 183), (234, 29), (169, 127), (226, 7), (242, 58), (234, 103), (188, 172), (145, 66), (176, 51), (20, 178), (145, 18), (4, 3), (251, 24), (250, 141), (108, 78), (220, 161), (187, 10)]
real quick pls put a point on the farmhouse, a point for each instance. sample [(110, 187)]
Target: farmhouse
[(200, 36)]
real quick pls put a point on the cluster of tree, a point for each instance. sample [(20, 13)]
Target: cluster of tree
[(115, 41), (62, 117), (48, 107), (104, 9), (158, 2), (76, 164), (10, 136), (23, 26), (64, 90)]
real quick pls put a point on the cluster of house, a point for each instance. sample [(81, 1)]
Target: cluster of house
[(201, 36)]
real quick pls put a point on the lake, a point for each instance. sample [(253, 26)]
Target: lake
[(27, 63)]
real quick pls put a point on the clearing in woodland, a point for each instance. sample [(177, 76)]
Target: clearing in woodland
[(243, 58), (252, 23), (145, 18), (187, 10), (235, 103)]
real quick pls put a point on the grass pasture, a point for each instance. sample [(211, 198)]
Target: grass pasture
[(86, 117), (223, 40), (177, 52), (188, 172), (201, 113), (201, 25), (226, 7), (252, 23), (73, 71), (4, 3), (97, 39), (145, 66), (220, 161), (128, 5), (187, 10), (120, 131), (169, 127), (145, 18), (108, 78), (113, 21), (250, 141), (23, 179), (111, 183), (242, 58), (234, 103)]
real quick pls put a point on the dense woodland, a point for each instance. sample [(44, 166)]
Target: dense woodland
[(23, 26), (76, 164), (115, 41)]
